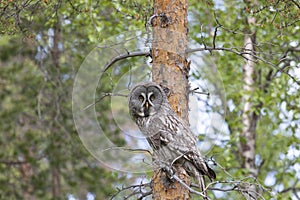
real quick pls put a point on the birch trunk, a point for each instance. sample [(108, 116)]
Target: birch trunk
[(247, 140)]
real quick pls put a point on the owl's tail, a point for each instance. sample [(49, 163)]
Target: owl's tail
[(202, 186), (202, 169), (210, 173)]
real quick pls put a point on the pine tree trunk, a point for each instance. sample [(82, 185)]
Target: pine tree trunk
[(170, 68)]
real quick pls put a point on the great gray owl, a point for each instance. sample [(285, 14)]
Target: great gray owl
[(171, 139)]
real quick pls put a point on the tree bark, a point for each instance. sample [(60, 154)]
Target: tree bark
[(27, 172), (170, 69), (247, 140), (56, 192)]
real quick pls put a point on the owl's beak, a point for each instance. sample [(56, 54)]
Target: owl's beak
[(147, 105), (146, 111)]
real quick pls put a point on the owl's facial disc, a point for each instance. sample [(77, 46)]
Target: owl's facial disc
[(147, 106), (150, 97), (142, 101), (145, 101)]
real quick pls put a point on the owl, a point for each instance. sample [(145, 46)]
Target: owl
[(170, 138)]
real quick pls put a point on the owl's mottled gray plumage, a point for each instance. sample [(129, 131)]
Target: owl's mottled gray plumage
[(171, 139)]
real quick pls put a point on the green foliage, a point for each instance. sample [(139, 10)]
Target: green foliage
[(38, 138), (274, 97), (42, 44)]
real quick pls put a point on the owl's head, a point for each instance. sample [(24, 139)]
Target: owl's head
[(146, 99)]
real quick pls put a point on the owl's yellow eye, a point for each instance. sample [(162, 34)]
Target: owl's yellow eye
[(141, 98), (152, 97)]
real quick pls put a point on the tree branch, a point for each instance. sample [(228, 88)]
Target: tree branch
[(138, 189), (202, 194), (103, 96), (297, 4), (219, 49), (124, 56), (243, 55)]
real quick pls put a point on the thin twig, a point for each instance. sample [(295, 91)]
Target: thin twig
[(242, 54), (215, 35), (103, 96), (139, 186), (297, 4), (188, 187), (129, 149), (193, 91), (219, 49)]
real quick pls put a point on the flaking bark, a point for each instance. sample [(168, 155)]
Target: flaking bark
[(170, 69)]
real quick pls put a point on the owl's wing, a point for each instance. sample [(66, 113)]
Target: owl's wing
[(186, 144), (169, 130), (174, 141), (201, 165)]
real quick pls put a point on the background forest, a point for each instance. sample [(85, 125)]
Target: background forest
[(43, 44)]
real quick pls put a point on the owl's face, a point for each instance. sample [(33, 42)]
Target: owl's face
[(145, 100)]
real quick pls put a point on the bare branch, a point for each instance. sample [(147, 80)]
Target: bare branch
[(138, 189), (220, 25), (241, 185), (216, 30), (193, 91), (297, 4), (103, 96), (124, 56), (188, 187), (219, 49), (293, 188), (19, 162), (243, 55), (129, 149), (12, 162)]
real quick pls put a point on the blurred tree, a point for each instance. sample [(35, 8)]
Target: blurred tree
[(254, 47), (42, 46), (42, 43)]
